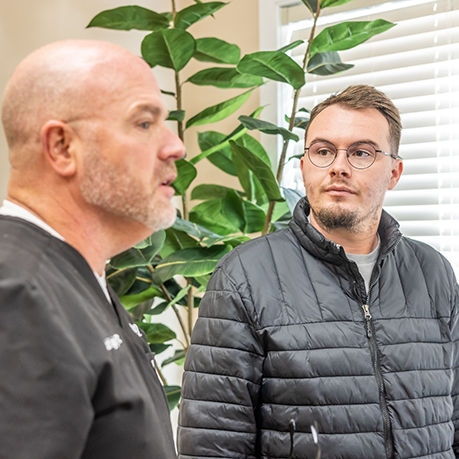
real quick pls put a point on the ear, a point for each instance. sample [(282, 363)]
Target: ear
[(58, 140), (397, 169)]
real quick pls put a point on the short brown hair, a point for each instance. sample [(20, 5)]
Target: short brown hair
[(363, 96)]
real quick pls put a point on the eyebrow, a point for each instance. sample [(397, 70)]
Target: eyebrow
[(153, 109), (368, 141)]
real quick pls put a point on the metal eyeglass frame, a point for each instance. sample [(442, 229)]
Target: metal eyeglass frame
[(347, 154), (315, 438)]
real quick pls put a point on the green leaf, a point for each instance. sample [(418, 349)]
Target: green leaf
[(245, 177), (281, 212), (173, 394), (130, 17), (186, 174), (176, 240), (170, 48), (130, 301), (291, 46), (156, 333), (205, 192), (224, 78), (179, 296), (188, 16), (233, 210), (255, 147), (176, 115), (209, 214), (192, 228), (326, 64), (255, 217), (178, 358), (156, 243), (232, 240), (168, 93), (267, 128), (190, 262), (220, 111), (274, 65), (216, 51), (311, 5), (221, 157), (261, 170), (121, 280), (347, 35), (157, 310), (328, 3), (159, 348), (291, 197)]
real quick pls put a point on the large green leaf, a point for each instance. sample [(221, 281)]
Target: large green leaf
[(176, 240), (209, 214), (130, 17), (173, 394), (311, 5), (159, 348), (130, 301), (221, 157), (291, 46), (216, 51), (176, 115), (121, 280), (232, 240), (260, 169), (328, 3), (170, 48), (224, 78), (186, 174), (267, 128), (178, 358), (220, 111), (205, 192), (233, 210), (255, 147), (274, 65), (192, 228), (347, 35), (188, 16), (190, 262), (140, 257), (255, 217), (326, 64), (156, 333)]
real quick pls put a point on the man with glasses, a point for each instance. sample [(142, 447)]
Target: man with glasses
[(338, 320)]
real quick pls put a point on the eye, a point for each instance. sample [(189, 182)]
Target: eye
[(361, 153), (323, 151), (145, 125)]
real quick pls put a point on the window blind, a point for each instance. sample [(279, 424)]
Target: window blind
[(416, 64)]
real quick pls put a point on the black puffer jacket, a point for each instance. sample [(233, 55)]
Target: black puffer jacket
[(282, 335)]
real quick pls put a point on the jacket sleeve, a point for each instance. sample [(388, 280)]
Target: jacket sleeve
[(223, 372), (455, 389), (45, 383)]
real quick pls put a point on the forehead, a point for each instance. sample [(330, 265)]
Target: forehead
[(339, 124), (126, 87)]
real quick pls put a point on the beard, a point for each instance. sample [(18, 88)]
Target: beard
[(337, 218), (123, 195)]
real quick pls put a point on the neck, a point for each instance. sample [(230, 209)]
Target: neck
[(95, 234), (360, 243)]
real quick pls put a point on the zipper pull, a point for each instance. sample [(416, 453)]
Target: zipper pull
[(366, 311)]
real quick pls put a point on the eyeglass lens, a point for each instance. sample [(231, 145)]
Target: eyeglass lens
[(359, 155)]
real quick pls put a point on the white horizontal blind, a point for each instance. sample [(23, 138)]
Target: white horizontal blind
[(416, 63)]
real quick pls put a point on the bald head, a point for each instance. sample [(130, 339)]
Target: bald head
[(63, 81)]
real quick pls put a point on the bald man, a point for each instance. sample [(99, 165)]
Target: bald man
[(92, 162)]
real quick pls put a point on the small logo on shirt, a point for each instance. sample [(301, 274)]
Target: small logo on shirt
[(113, 342), (136, 330)]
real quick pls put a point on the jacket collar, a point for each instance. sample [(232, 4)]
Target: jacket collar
[(317, 245)]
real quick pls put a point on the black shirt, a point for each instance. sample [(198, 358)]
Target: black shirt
[(76, 379)]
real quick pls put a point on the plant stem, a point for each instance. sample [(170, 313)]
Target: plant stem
[(280, 168), (160, 374), (177, 313), (190, 307), (174, 10)]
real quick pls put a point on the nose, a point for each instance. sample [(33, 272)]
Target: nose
[(340, 166), (172, 147)]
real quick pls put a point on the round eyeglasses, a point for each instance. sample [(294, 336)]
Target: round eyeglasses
[(360, 155)]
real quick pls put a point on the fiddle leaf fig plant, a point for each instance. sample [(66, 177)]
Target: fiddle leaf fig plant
[(170, 269)]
